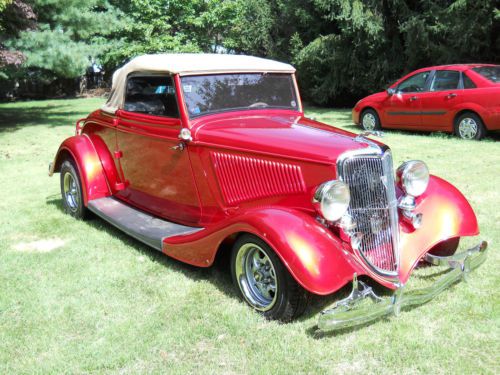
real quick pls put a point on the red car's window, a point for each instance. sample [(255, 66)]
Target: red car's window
[(415, 83), (445, 80), (232, 92), (491, 73), (153, 95), (468, 84)]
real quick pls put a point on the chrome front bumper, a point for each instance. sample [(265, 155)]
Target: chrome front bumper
[(363, 306)]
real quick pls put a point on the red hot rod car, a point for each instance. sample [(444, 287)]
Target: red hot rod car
[(195, 152)]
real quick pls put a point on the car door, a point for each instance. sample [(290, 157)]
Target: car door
[(157, 172), (445, 93), (402, 109)]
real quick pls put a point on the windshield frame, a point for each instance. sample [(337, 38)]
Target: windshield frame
[(295, 92)]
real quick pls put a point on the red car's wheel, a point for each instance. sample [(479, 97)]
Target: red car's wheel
[(469, 126), (71, 191), (369, 120), (264, 282)]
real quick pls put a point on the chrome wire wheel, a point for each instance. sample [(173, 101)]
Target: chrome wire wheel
[(71, 194), (369, 121), (468, 128), (256, 276)]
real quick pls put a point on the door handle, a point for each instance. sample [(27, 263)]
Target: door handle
[(413, 98), (451, 96), (181, 146)]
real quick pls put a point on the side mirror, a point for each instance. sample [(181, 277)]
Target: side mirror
[(391, 91)]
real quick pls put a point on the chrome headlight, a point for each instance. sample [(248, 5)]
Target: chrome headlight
[(331, 199), (413, 177)]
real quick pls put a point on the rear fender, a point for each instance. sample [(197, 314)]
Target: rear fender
[(469, 107), (446, 214), (311, 253), (82, 151)]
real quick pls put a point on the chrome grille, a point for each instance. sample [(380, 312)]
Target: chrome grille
[(373, 207)]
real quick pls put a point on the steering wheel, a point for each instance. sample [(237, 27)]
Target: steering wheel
[(258, 104)]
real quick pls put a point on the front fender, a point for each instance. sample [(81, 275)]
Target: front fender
[(312, 254), (92, 176), (446, 214)]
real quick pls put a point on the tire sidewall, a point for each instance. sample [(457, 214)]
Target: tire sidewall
[(68, 166), (480, 126), (280, 306), (377, 119)]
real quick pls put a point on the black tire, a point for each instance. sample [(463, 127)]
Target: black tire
[(71, 190), (289, 299), (369, 120), (469, 126), (446, 248)]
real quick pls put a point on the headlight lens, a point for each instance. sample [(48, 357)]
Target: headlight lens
[(331, 199), (413, 176)]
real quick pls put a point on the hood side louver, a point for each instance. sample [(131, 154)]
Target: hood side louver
[(243, 178)]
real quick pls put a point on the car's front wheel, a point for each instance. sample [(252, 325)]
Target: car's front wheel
[(71, 190), (469, 126), (264, 282), (370, 120)]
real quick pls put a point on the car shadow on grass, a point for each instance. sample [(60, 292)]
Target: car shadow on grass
[(217, 273), (12, 119)]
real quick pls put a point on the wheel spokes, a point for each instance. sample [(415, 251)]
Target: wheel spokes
[(257, 277), (468, 128)]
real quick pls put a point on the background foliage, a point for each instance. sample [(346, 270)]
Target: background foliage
[(343, 49)]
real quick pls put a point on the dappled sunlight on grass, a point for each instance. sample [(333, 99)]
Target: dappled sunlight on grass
[(40, 246)]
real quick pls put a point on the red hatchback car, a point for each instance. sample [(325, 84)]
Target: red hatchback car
[(460, 99)]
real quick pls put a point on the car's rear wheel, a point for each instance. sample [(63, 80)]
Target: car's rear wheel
[(469, 126), (263, 281), (71, 190), (370, 120)]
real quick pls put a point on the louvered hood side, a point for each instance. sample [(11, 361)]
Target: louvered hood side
[(245, 178)]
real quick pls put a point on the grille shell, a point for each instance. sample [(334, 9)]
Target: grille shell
[(373, 207)]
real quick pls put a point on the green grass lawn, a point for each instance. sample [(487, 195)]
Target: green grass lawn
[(81, 297)]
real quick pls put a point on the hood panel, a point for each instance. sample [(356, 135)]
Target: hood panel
[(377, 97), (280, 134)]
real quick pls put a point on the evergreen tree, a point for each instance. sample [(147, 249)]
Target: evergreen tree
[(67, 34)]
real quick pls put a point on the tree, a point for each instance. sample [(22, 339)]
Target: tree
[(67, 35), (375, 42), (14, 16), (172, 26), (274, 28)]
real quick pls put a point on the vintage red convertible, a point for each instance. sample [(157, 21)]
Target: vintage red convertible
[(193, 154), (462, 99)]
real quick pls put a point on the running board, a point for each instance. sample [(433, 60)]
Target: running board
[(140, 225)]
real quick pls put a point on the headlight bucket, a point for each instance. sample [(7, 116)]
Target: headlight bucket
[(331, 199), (413, 177)]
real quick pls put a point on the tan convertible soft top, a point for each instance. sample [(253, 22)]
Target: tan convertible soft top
[(188, 64)]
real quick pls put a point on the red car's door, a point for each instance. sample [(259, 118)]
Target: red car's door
[(445, 93), (158, 174), (402, 109)]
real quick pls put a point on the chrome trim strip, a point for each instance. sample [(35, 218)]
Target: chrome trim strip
[(417, 113)]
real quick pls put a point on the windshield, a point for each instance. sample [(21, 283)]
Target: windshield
[(489, 72), (229, 92)]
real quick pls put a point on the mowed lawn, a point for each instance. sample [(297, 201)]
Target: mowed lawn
[(81, 297)]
